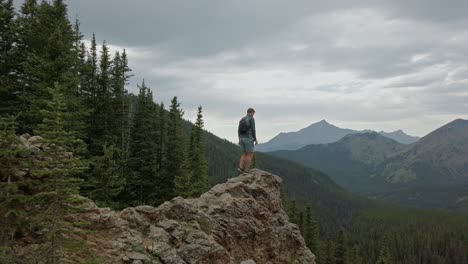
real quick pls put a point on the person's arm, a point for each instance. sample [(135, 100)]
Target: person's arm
[(252, 129)]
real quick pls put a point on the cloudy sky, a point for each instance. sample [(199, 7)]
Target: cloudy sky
[(382, 65)]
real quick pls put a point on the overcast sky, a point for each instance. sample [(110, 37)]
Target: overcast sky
[(381, 65)]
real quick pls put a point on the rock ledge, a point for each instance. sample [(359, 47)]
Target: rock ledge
[(240, 221)]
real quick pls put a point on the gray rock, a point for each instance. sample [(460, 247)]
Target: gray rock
[(35, 141), (136, 256), (240, 221)]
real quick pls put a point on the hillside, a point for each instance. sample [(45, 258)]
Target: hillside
[(439, 158), (350, 161), (323, 133), (432, 172)]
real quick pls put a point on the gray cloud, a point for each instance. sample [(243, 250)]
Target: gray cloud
[(362, 64)]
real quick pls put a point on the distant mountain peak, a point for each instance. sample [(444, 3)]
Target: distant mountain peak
[(368, 135), (456, 127), (400, 136), (459, 121), (322, 132), (323, 121)]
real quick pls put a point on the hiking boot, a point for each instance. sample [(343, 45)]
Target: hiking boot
[(240, 170)]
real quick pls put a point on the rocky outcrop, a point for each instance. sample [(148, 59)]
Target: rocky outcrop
[(240, 221)]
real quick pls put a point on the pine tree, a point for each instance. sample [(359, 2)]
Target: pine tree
[(103, 110), (162, 138), (74, 95), (46, 55), (28, 46), (99, 100), (120, 106), (384, 256), (329, 256), (13, 200), (9, 64), (175, 148), (355, 257), (56, 167), (198, 163), (182, 182), (301, 224), (89, 76), (341, 249), (108, 185), (89, 94), (311, 231), (144, 178), (293, 212), (58, 61)]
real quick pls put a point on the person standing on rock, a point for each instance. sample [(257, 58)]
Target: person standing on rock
[(247, 138)]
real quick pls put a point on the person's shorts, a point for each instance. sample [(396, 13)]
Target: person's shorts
[(246, 144)]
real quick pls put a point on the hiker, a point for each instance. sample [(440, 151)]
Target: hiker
[(247, 138)]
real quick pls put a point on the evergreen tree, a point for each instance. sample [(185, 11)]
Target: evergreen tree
[(46, 54), (99, 99), (56, 168), (175, 155), (89, 76), (120, 106), (74, 95), (89, 94), (301, 224), (28, 46), (13, 200), (162, 138), (329, 256), (293, 212), (103, 110), (384, 256), (58, 61), (107, 186), (311, 231), (182, 182), (355, 258), (144, 181), (8, 62), (341, 249), (198, 163)]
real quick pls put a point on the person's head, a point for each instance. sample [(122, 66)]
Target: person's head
[(250, 111)]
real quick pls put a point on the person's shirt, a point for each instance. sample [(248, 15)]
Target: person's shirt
[(251, 132)]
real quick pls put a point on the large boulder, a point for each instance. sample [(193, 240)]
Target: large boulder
[(240, 221)]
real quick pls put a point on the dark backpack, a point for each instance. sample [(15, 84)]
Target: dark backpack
[(243, 127)]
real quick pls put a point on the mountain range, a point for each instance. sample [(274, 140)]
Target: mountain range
[(432, 172), (322, 133)]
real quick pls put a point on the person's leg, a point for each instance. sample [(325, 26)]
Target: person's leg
[(247, 160), (241, 161), (242, 158)]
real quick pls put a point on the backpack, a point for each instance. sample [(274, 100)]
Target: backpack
[(243, 127)]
